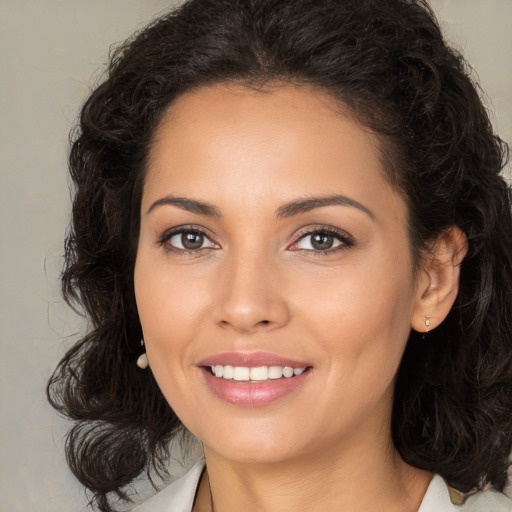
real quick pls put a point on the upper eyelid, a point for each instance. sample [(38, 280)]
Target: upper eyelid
[(341, 233), (168, 233)]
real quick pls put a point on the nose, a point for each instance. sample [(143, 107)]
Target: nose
[(251, 295)]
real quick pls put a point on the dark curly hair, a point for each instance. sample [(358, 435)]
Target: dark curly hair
[(384, 60)]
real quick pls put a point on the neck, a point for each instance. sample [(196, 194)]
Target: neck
[(354, 479)]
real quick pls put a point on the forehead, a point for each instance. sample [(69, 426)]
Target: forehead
[(234, 142)]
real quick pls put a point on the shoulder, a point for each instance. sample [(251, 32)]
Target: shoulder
[(437, 499), (176, 497)]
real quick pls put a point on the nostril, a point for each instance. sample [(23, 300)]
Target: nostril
[(241, 326)]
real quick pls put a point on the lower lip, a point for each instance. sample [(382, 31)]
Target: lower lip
[(253, 394)]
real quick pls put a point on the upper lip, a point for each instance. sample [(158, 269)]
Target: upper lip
[(251, 359)]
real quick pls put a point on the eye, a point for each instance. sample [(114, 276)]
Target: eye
[(187, 240), (323, 240)]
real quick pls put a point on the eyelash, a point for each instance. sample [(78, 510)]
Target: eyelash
[(167, 235), (346, 240)]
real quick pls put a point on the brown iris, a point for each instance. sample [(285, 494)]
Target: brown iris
[(192, 240), (322, 241)]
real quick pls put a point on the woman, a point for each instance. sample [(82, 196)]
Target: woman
[(297, 207)]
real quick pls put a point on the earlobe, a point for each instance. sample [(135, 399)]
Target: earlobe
[(438, 283)]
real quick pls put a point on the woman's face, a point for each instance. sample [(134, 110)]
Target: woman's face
[(270, 239)]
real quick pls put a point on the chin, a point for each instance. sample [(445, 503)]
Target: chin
[(256, 445)]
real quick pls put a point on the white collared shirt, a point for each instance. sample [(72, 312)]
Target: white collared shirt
[(179, 497)]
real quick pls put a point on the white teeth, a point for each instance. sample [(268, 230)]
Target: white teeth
[(259, 373), (288, 372), (241, 373), (228, 372), (275, 372), (255, 374)]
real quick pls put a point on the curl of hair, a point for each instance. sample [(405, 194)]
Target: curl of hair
[(387, 62)]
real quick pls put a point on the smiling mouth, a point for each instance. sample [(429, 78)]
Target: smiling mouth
[(255, 373)]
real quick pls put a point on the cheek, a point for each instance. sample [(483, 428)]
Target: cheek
[(168, 301), (362, 314), (172, 302), (160, 308), (162, 313), (361, 330)]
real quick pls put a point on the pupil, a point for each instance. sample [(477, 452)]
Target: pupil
[(192, 240), (322, 242)]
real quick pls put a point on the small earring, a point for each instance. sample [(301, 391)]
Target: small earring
[(427, 325), (142, 361)]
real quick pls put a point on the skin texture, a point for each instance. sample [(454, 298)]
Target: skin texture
[(257, 284)]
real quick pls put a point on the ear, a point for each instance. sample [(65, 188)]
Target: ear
[(438, 280)]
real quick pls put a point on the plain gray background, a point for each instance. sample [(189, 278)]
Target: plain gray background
[(51, 53)]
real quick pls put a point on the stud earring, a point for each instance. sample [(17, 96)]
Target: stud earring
[(142, 361), (427, 325)]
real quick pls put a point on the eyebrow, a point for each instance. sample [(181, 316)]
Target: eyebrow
[(305, 205), (291, 209), (190, 205)]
